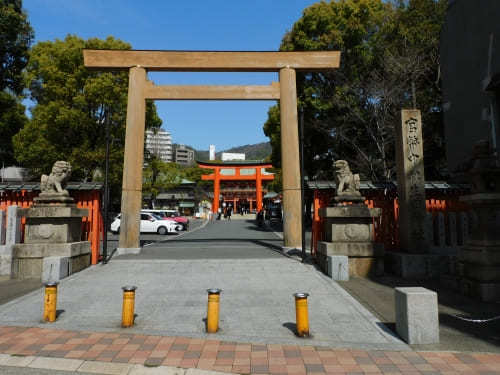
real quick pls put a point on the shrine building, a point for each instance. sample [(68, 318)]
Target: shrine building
[(241, 183)]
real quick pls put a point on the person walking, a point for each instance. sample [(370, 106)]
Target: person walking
[(229, 209)]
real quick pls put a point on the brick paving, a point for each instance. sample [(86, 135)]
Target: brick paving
[(235, 357)]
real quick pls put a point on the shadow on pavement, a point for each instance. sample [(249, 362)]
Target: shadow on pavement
[(291, 326), (456, 333)]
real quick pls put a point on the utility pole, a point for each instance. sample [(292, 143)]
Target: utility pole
[(301, 148), (106, 193)]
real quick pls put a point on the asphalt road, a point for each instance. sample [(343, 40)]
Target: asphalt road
[(219, 239), (149, 238), (11, 289)]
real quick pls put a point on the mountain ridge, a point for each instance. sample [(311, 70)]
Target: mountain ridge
[(256, 151)]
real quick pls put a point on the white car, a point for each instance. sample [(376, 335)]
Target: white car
[(150, 224)]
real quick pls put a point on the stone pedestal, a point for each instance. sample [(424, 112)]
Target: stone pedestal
[(479, 259), (52, 231), (349, 231), (417, 316)]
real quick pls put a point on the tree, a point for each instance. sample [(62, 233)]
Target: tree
[(12, 119), (72, 106), (159, 176), (16, 35), (350, 113)]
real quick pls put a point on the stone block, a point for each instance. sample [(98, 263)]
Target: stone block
[(429, 227), (27, 268), (417, 320), (53, 230), (463, 225), (359, 249), (3, 224), (480, 253), (364, 259), (338, 267), (452, 229), (351, 231), (6, 260), (55, 211), (55, 268), (486, 292), (360, 211), (481, 272), (417, 266), (125, 251), (366, 266), (13, 230), (79, 263), (49, 250), (440, 230)]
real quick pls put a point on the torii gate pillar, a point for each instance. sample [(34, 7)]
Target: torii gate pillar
[(290, 164), (132, 165)]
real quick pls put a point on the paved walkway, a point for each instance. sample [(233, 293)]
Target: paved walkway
[(256, 304), (125, 353), (257, 317)]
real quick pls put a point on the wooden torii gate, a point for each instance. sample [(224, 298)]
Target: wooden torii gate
[(138, 63)]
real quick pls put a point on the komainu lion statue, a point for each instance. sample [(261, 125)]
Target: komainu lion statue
[(347, 183), (56, 181)]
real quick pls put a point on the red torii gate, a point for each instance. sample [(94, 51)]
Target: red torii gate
[(237, 171)]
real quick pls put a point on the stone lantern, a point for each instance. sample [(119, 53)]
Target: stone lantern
[(479, 259)]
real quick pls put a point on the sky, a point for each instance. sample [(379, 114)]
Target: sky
[(219, 25)]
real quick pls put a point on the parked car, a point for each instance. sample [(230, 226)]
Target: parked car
[(150, 223), (273, 212), (170, 215)]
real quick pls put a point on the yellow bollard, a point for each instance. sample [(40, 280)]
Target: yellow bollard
[(301, 314), (128, 306), (50, 302), (213, 310)]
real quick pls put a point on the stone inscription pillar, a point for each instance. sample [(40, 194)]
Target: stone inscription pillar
[(292, 233), (411, 183), (133, 162)]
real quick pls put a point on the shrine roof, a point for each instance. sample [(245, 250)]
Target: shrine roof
[(233, 163), (391, 185), (35, 186)]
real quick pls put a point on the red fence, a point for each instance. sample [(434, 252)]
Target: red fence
[(386, 226), (92, 225)]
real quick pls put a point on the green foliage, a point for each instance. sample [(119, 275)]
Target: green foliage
[(15, 39), (350, 113), (194, 174), (12, 119), (16, 35), (73, 105), (272, 129), (276, 184), (159, 176)]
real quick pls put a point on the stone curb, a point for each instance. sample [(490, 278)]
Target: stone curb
[(107, 368)]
